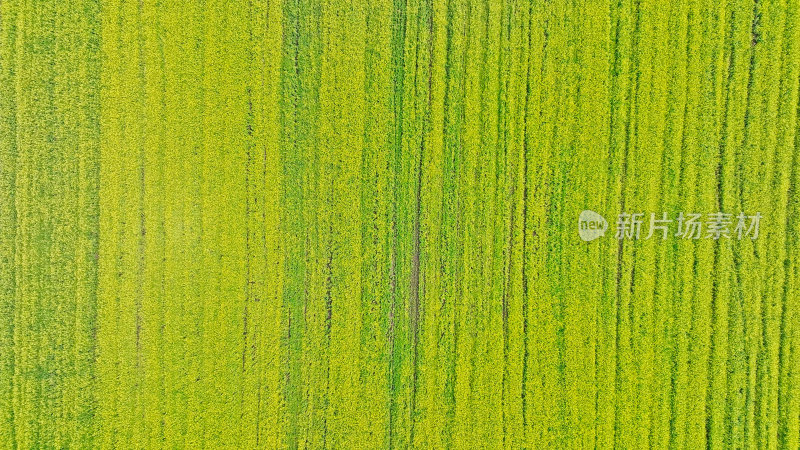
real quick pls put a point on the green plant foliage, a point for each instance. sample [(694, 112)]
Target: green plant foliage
[(352, 224)]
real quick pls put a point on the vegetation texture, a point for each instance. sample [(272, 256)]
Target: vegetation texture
[(353, 224)]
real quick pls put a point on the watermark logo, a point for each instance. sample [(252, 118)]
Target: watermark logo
[(631, 226), (591, 225)]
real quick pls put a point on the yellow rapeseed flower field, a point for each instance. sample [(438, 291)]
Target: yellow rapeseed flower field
[(356, 224)]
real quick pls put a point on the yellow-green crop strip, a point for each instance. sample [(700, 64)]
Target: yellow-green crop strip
[(356, 224)]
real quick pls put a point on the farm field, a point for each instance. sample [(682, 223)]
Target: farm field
[(355, 224)]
